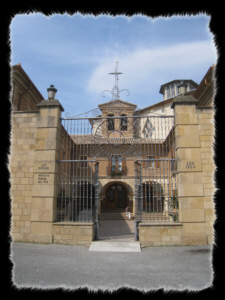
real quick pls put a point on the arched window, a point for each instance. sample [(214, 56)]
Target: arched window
[(111, 122), (123, 123)]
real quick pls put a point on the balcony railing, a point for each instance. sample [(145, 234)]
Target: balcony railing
[(116, 172)]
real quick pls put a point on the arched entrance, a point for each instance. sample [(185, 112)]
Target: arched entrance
[(116, 196)]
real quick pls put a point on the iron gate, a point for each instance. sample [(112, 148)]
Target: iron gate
[(138, 198), (78, 192), (96, 209), (145, 141), (78, 174), (156, 191)]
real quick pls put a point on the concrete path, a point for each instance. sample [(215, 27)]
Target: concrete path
[(115, 246), (114, 230), (116, 236), (73, 267)]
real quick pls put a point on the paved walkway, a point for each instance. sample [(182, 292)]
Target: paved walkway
[(116, 230), (49, 266), (74, 267), (118, 246), (116, 236)]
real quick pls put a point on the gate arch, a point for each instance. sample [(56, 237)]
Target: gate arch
[(120, 188)]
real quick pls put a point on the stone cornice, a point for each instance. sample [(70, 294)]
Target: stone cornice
[(184, 100), (50, 103), (23, 80)]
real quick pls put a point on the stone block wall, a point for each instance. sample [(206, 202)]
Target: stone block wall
[(73, 233), (194, 141), (160, 234), (35, 140), (22, 157), (206, 136), (194, 134)]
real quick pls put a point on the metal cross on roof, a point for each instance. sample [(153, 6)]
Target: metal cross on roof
[(115, 90)]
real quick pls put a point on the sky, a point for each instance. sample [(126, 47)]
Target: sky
[(77, 52)]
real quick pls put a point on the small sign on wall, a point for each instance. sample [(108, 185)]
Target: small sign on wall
[(190, 165), (43, 167), (43, 178)]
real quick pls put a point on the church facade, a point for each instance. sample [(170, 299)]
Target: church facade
[(70, 173)]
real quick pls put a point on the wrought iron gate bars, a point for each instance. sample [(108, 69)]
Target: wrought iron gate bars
[(158, 191), (120, 117), (96, 201), (77, 142)]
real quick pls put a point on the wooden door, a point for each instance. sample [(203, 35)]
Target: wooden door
[(121, 194), (116, 196), (111, 197)]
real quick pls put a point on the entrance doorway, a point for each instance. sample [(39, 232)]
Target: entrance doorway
[(116, 196)]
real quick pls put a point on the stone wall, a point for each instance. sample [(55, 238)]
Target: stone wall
[(194, 135), (34, 180), (25, 96), (24, 129), (73, 233), (206, 136), (160, 234), (35, 140)]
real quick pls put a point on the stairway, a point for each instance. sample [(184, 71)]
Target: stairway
[(113, 214), (155, 217), (118, 214)]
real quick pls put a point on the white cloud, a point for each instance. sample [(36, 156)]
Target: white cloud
[(145, 67)]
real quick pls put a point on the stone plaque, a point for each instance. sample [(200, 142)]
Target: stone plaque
[(43, 178), (190, 165), (43, 167)]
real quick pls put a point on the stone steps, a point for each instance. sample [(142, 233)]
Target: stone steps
[(112, 216), (122, 216), (154, 217)]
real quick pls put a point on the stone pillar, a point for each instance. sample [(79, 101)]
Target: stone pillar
[(45, 187), (189, 171)]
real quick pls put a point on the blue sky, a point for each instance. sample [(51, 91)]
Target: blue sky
[(76, 53)]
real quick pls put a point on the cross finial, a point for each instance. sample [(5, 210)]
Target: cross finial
[(115, 90)]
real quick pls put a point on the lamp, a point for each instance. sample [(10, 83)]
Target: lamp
[(51, 92)]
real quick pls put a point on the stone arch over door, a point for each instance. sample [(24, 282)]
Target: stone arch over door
[(116, 194)]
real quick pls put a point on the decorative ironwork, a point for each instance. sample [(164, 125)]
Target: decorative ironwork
[(146, 139), (115, 92), (96, 210), (91, 113), (114, 135), (159, 190)]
